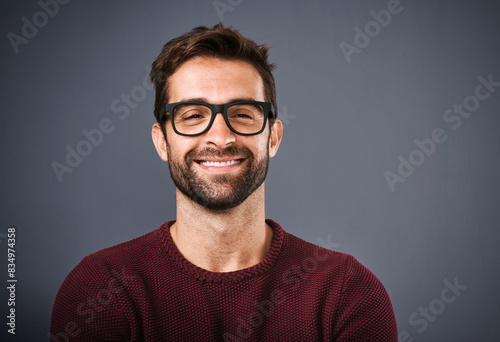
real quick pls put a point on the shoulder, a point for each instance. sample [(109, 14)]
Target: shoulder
[(300, 251), (349, 274), (99, 268), (135, 251), (364, 310), (110, 271), (124, 250), (358, 303), (98, 292)]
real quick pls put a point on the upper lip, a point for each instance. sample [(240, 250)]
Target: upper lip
[(219, 160)]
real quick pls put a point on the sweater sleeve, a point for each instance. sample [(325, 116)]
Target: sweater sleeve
[(364, 311), (87, 306)]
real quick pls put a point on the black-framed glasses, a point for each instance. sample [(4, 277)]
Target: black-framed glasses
[(242, 117)]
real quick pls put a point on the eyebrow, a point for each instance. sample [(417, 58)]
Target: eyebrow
[(204, 100)]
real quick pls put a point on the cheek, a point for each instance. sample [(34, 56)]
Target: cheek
[(261, 148), (180, 146)]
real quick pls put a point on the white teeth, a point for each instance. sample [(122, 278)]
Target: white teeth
[(220, 164)]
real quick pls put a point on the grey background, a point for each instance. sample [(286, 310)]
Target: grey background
[(345, 125)]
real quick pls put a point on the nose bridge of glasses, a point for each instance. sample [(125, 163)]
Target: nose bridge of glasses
[(218, 109)]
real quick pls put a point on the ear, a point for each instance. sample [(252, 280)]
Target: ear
[(159, 141), (275, 137)]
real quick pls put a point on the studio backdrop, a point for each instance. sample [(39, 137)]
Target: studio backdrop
[(390, 152)]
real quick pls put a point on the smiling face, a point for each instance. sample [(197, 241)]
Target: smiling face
[(218, 169)]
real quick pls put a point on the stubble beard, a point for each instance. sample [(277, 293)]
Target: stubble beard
[(220, 191)]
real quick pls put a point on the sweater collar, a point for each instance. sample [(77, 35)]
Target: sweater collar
[(234, 276)]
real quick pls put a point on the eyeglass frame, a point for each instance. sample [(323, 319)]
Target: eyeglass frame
[(216, 109)]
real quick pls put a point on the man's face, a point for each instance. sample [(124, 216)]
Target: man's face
[(218, 169)]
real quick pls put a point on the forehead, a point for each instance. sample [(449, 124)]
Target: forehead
[(217, 80)]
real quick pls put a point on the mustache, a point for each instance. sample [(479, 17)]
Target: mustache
[(231, 151)]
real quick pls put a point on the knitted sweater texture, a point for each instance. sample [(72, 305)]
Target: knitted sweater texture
[(145, 290)]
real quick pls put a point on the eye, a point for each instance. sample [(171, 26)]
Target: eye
[(244, 112), (242, 115), (191, 116), (189, 113)]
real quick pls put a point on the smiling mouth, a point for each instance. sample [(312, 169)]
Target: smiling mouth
[(219, 163)]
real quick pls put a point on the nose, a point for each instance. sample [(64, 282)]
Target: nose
[(219, 133)]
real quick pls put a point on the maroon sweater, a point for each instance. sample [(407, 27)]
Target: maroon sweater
[(145, 290)]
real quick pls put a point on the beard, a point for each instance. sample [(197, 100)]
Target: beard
[(220, 191)]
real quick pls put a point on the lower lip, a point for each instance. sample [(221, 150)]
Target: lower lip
[(221, 168)]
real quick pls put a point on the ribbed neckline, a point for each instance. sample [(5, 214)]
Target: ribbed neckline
[(212, 277)]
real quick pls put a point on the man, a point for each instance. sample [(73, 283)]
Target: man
[(220, 271)]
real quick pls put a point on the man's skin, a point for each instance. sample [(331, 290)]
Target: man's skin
[(219, 240)]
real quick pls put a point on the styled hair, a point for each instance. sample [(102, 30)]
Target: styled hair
[(220, 42)]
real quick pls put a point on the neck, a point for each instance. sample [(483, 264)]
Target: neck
[(225, 240)]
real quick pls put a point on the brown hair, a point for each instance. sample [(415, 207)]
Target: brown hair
[(220, 42)]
